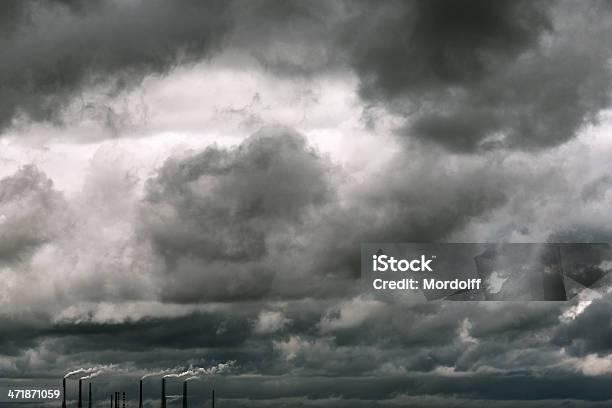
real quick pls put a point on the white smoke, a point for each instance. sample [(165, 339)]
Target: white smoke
[(158, 373), (83, 371), (198, 372), (92, 375), (93, 371), (80, 370), (178, 375), (194, 372)]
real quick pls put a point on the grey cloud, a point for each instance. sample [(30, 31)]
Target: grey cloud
[(62, 47), (472, 76), (512, 111), (264, 219), (400, 204), (55, 52), (392, 339), (423, 337), (590, 332), (468, 76), (267, 220), (597, 189), (31, 212), (365, 368), (214, 213), (288, 38), (583, 232), (424, 46)]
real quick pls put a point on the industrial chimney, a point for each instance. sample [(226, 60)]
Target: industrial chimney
[(89, 399), (123, 399), (111, 401), (140, 397), (213, 399), (80, 404), (163, 393), (184, 394), (64, 392)]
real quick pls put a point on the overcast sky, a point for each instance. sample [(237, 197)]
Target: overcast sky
[(188, 183)]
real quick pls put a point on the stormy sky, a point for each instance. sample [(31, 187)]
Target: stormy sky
[(185, 184)]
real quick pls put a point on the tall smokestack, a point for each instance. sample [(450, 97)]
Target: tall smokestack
[(89, 399), (213, 399), (80, 404), (123, 399), (140, 396), (111, 401), (116, 399), (64, 392), (163, 394), (184, 394)]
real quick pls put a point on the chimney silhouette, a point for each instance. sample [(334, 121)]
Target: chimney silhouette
[(184, 394), (163, 393), (213, 399), (140, 396), (116, 399), (89, 399), (111, 401), (64, 392), (123, 399), (80, 404)]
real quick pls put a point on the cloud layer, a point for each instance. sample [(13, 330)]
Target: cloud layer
[(272, 139)]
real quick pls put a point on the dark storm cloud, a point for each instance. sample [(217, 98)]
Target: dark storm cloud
[(398, 339), (31, 212), (421, 46), (466, 75), (21, 332), (187, 332), (590, 332), (282, 392), (211, 215), (416, 211), (268, 220), (492, 388), (264, 219), (11, 14), (475, 75), (582, 233), (289, 38), (55, 51), (364, 368), (597, 189), (400, 204), (432, 325), (52, 51)]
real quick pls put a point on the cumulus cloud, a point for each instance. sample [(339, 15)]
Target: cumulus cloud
[(351, 314), (54, 50), (31, 212), (157, 257), (520, 75), (580, 341), (214, 216), (593, 364), (473, 76), (270, 322)]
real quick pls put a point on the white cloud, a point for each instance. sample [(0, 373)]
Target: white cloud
[(296, 346), (464, 332), (107, 312), (351, 314), (270, 322), (594, 365)]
